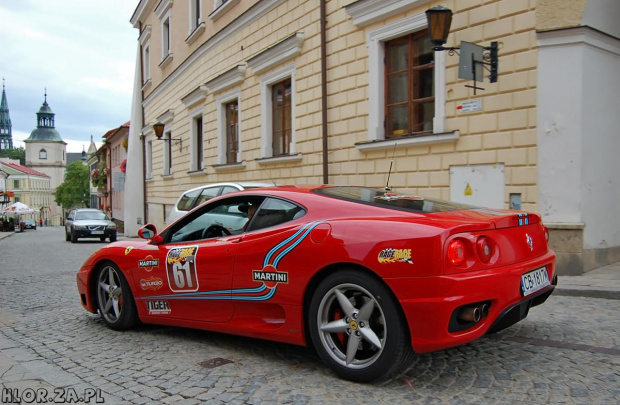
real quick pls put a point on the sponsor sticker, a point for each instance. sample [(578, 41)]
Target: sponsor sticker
[(181, 269), (148, 263), (270, 276), (395, 255), (151, 283), (128, 249), (158, 307)]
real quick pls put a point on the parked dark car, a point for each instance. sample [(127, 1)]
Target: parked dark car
[(89, 223), (29, 223)]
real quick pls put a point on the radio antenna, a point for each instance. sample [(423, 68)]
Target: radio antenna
[(387, 184)]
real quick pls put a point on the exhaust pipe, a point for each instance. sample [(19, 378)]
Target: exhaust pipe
[(470, 314), (484, 310)]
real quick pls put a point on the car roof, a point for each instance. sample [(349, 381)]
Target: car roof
[(243, 184)]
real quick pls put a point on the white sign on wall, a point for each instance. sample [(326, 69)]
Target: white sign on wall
[(481, 185), (469, 106)]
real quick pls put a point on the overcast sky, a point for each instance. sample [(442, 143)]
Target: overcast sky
[(82, 51)]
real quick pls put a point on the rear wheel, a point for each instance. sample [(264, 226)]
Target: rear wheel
[(114, 299), (357, 327)]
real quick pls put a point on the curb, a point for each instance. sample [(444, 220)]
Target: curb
[(589, 292)]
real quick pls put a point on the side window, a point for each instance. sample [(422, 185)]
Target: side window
[(206, 195), (275, 212), (186, 202), (215, 220), (229, 189)]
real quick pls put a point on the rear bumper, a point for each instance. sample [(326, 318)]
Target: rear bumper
[(430, 303)]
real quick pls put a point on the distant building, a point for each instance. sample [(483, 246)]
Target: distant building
[(109, 162), (5, 198), (6, 136), (30, 186), (46, 152)]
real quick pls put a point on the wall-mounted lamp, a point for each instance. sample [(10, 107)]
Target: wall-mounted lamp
[(439, 19), (158, 127)]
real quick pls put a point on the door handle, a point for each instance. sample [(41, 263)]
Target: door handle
[(235, 239)]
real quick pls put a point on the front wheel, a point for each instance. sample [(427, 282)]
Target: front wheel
[(114, 299), (357, 327)]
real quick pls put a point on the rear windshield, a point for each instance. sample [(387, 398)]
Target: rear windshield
[(389, 199)]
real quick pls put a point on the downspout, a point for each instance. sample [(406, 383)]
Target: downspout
[(145, 212), (323, 34)]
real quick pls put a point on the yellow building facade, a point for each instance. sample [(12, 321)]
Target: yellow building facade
[(252, 90)]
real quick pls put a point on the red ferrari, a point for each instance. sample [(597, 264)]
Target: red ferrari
[(368, 277)]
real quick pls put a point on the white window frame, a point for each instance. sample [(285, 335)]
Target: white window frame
[(145, 43), (193, 115), (195, 15), (220, 7), (43, 154), (167, 155), (221, 125), (266, 109), (166, 36), (376, 46), (149, 159)]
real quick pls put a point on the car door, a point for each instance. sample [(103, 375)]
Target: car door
[(191, 275), (69, 221), (272, 234)]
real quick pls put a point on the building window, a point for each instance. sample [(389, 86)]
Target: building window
[(197, 142), (168, 153), (165, 36), (42, 154), (16, 184), (232, 131), (281, 117), (146, 62), (195, 11), (149, 159), (409, 85), (379, 41), (278, 113)]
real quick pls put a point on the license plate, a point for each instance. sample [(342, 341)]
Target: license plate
[(97, 232), (534, 281)]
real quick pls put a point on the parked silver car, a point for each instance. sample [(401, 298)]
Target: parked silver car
[(89, 223), (196, 196)]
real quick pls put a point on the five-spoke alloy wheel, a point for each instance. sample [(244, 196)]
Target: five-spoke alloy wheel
[(357, 327), (114, 298)]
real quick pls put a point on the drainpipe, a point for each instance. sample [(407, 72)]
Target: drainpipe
[(323, 13), (144, 210)]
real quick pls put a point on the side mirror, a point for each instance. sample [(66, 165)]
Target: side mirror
[(149, 232)]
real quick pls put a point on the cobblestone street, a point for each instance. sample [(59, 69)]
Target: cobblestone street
[(566, 351)]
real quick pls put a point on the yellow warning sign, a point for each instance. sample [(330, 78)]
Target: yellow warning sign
[(467, 189)]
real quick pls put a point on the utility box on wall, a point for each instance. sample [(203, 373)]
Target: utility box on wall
[(481, 185)]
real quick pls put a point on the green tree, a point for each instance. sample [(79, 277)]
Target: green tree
[(17, 153), (74, 191)]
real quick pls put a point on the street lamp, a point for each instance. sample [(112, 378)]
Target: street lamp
[(158, 127), (439, 19)]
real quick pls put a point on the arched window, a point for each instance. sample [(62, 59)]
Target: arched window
[(42, 154)]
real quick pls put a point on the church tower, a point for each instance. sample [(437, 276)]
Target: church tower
[(46, 152), (6, 134)]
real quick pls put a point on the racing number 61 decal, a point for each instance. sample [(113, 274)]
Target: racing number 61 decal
[(181, 269)]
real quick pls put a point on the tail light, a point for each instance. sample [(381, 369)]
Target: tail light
[(484, 249), (546, 233), (456, 252)]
